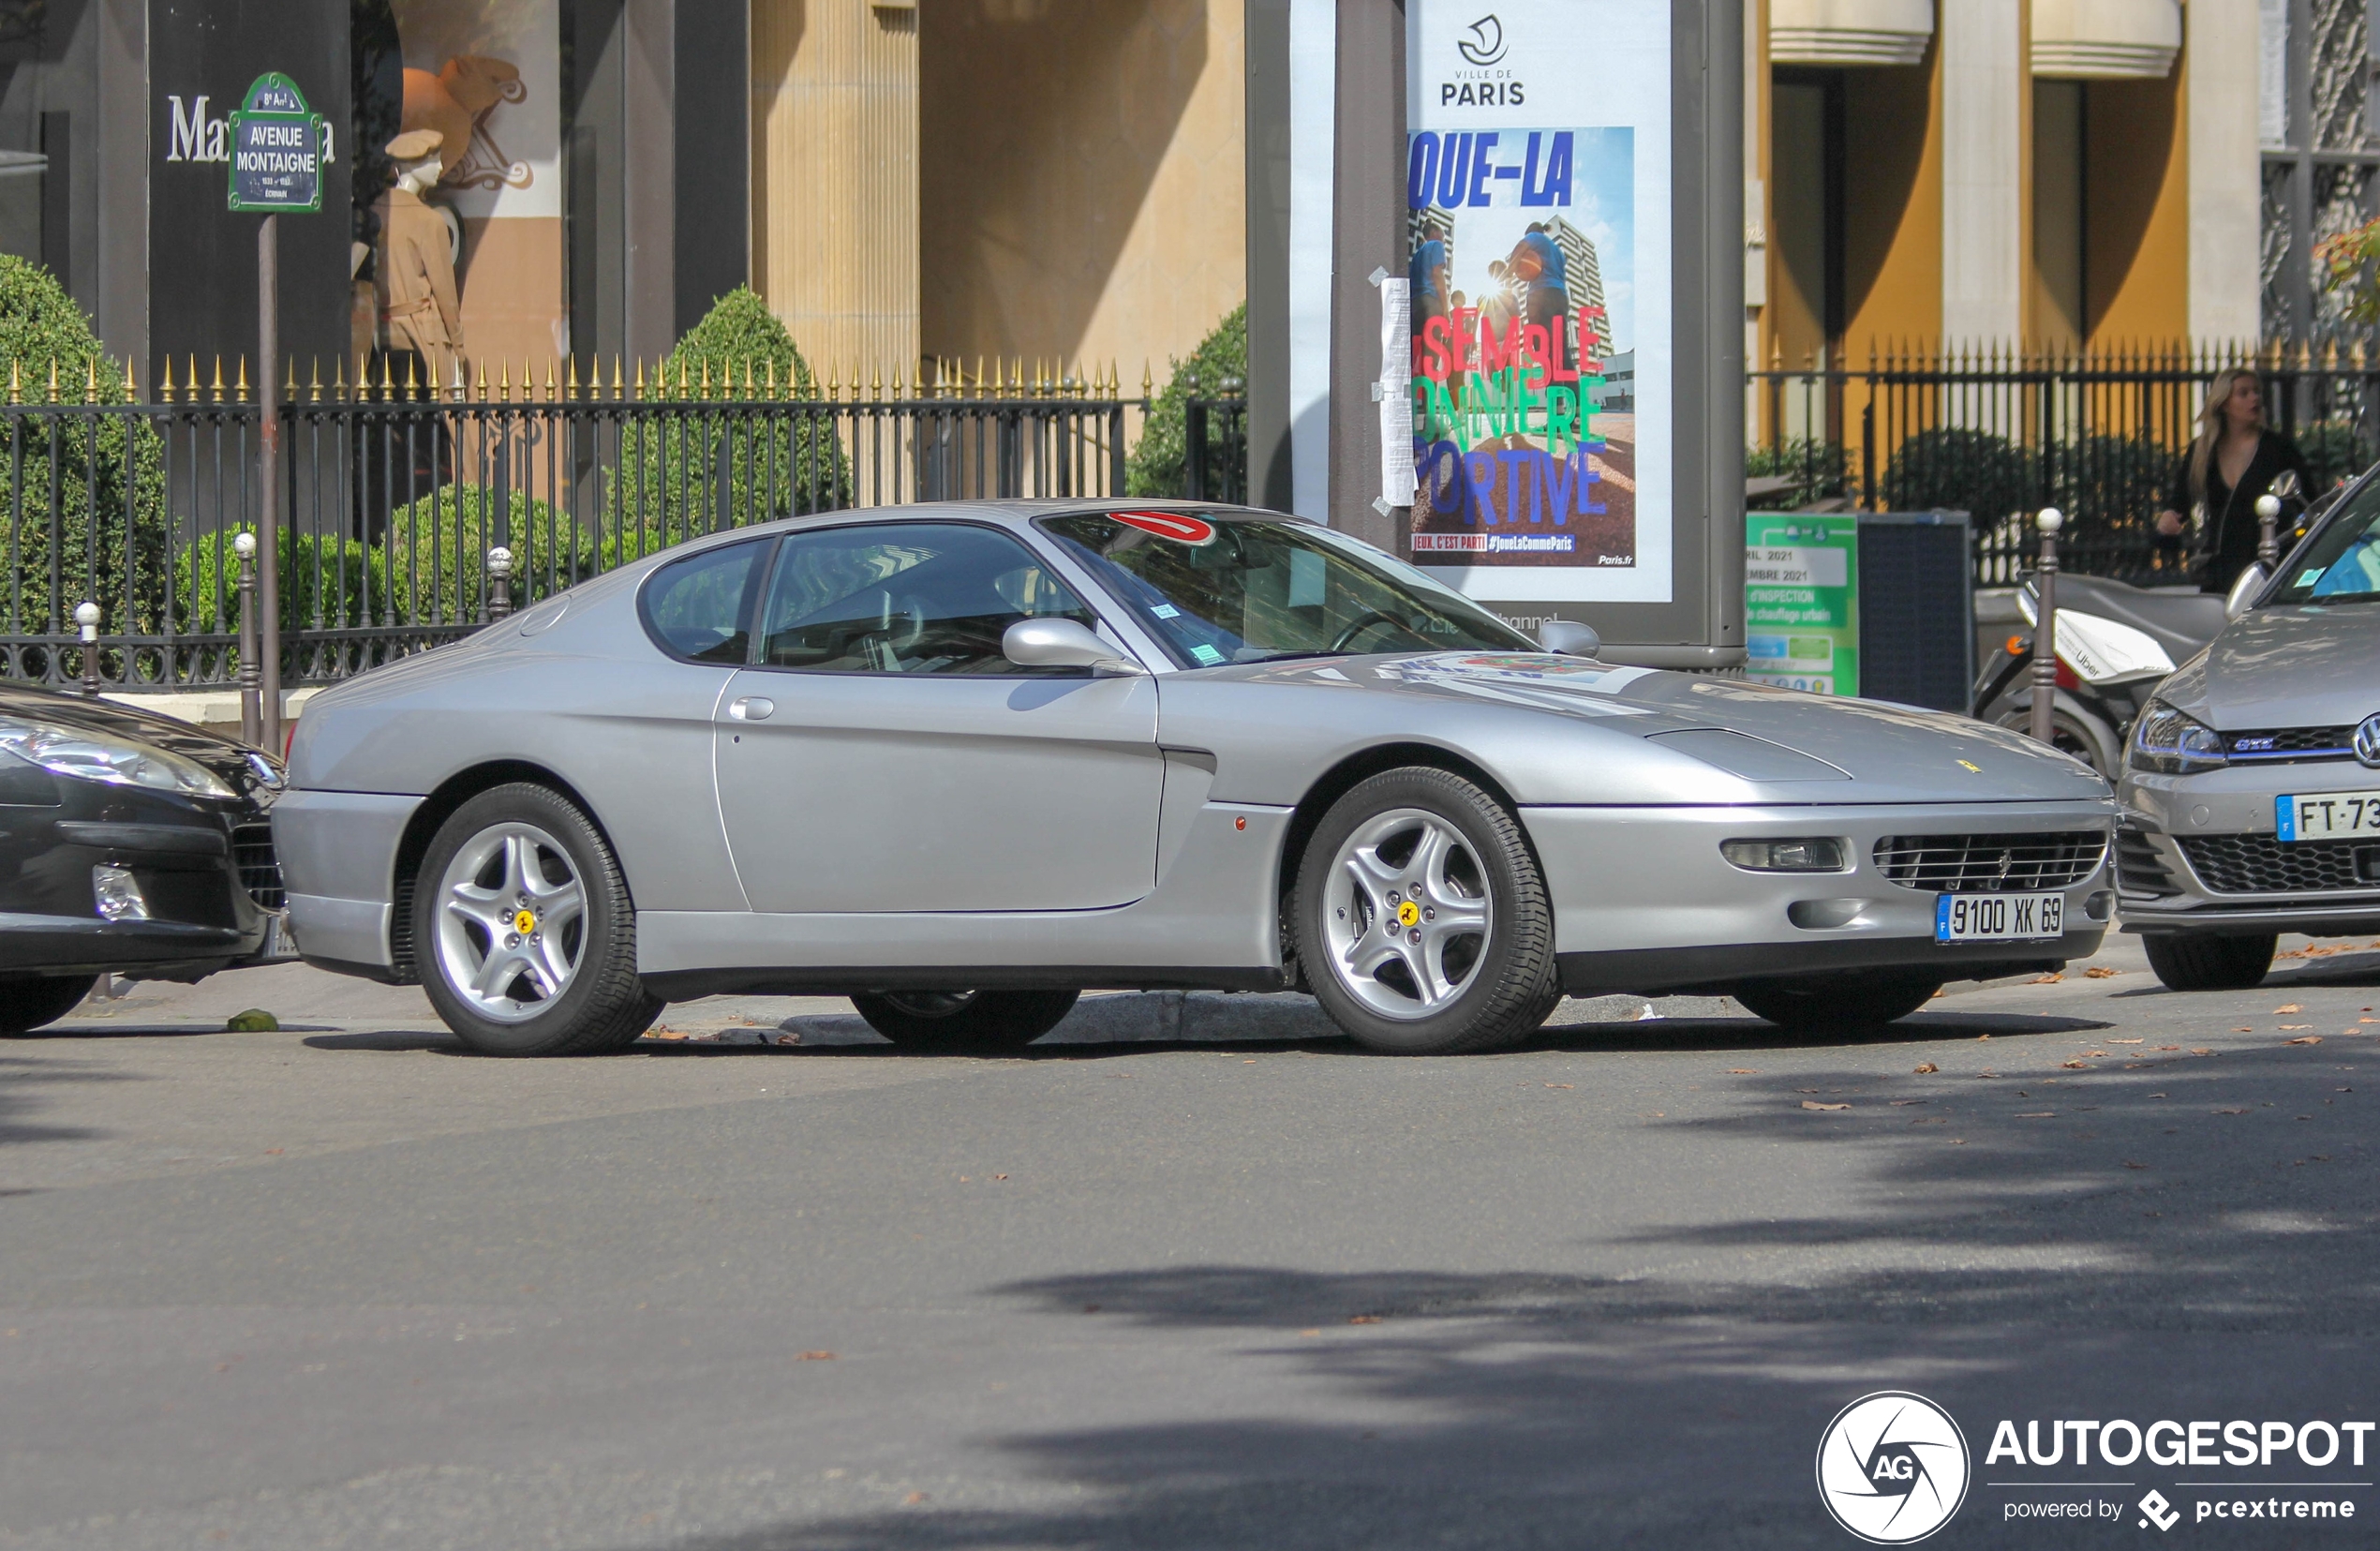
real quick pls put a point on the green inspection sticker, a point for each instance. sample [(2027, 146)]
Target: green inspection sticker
[(1207, 655), (1801, 600)]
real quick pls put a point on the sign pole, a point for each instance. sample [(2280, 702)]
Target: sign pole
[(268, 481)]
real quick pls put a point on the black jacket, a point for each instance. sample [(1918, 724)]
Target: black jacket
[(2228, 541)]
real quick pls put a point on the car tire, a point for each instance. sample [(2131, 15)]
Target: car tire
[(2203, 961), (29, 1001), (963, 1023), (525, 856), (1471, 965), (1867, 999)]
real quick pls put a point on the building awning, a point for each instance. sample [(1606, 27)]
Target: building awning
[(1849, 32), (2106, 39)]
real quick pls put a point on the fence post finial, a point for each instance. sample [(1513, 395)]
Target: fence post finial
[(165, 384), (338, 379), (131, 392), (241, 390), (288, 383)]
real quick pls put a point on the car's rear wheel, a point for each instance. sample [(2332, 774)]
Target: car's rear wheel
[(29, 1001), (1422, 922), (965, 1021), (2200, 962), (526, 931), (1867, 999)]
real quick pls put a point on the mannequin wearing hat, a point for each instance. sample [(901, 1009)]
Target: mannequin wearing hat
[(419, 305)]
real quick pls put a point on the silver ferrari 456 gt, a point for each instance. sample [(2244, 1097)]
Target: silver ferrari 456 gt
[(2251, 780), (961, 763)]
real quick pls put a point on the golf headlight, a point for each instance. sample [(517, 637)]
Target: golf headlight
[(2166, 742), (94, 756)]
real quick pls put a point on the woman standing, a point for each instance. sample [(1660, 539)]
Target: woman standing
[(2234, 460)]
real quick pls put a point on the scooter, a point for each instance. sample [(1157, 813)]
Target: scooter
[(2117, 643)]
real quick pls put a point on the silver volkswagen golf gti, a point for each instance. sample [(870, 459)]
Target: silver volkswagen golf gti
[(962, 763), (2252, 781)]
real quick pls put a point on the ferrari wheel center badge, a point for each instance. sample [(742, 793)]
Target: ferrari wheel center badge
[(525, 922), (1408, 914)]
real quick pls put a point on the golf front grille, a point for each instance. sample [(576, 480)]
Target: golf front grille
[(259, 865), (2260, 864), (1991, 864), (2291, 745)]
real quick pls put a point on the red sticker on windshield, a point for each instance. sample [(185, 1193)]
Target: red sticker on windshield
[(1170, 524)]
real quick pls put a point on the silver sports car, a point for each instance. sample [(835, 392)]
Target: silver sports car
[(2252, 781), (961, 763)]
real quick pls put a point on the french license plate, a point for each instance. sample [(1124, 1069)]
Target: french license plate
[(1998, 917), (2327, 815)]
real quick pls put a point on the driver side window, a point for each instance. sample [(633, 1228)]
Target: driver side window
[(910, 597)]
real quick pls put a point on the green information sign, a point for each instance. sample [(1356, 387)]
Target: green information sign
[(278, 146), (1801, 601)]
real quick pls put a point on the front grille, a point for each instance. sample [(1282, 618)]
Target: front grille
[(260, 866), (2260, 864), (2291, 745), (2139, 869), (1991, 864)]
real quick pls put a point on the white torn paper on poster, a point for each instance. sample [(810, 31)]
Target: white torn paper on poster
[(1393, 391)]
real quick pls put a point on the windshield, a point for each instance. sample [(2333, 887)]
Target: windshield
[(1221, 590), (2342, 562)]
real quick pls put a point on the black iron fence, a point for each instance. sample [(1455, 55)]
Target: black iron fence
[(2000, 435), (394, 505)]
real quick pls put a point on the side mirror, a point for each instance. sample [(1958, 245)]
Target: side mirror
[(2284, 484), (2244, 592), (1568, 637), (1055, 643)]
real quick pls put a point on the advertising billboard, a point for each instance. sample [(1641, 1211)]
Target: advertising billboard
[(1537, 215)]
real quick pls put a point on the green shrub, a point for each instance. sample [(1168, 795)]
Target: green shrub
[(324, 580), (1160, 465), (1959, 470), (109, 470), (1820, 470), (667, 481), (2332, 451), (435, 555)]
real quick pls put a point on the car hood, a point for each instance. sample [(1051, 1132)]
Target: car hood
[(225, 756), (1815, 747), (2295, 665)]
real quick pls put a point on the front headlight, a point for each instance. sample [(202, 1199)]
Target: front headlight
[(94, 756), (2164, 741)]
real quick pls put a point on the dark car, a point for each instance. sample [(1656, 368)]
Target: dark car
[(129, 842)]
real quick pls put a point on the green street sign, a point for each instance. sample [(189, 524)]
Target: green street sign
[(1801, 601), (279, 148)]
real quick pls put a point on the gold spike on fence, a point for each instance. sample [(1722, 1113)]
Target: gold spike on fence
[(165, 382), (314, 382)]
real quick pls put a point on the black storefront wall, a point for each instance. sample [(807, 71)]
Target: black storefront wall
[(202, 55)]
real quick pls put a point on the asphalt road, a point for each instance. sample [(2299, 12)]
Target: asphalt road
[(1194, 1274)]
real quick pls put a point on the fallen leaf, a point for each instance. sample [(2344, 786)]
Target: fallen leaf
[(999, 1176), (2286, 1027), (1364, 1319), (2170, 1047), (2049, 979), (2076, 1065), (2095, 1054), (2101, 972), (2039, 1115), (1561, 1084), (273, 1152), (2289, 1008), (2201, 1050), (1813, 1104), (1987, 1074), (1958, 1141), (915, 1497), (1806, 1090), (2126, 1041), (814, 1357), (2239, 1031), (1925, 1068), (1898, 1102), (2159, 1095), (2343, 1090), (1091, 1308), (2304, 1040), (788, 1040), (2129, 1164), (1742, 1071), (2231, 1112), (1983, 1036), (1316, 1332)]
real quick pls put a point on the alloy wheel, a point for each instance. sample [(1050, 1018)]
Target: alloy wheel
[(512, 922), (1406, 914)]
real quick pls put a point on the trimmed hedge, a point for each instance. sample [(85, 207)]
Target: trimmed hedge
[(1160, 465)]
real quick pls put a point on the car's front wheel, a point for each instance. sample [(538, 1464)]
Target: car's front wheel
[(1865, 999), (29, 1001), (2196, 962), (1423, 923), (525, 929), (971, 1023)]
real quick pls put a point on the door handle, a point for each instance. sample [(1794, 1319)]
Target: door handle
[(751, 708)]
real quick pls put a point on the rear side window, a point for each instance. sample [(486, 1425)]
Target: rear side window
[(696, 608)]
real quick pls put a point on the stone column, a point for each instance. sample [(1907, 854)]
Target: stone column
[(2219, 58), (1984, 152)]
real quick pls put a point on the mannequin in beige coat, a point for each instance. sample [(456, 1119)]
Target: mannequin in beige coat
[(420, 307)]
